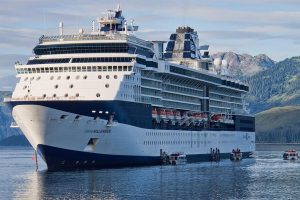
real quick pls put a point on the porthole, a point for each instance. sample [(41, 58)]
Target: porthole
[(99, 77), (59, 77), (107, 85), (51, 78), (77, 77), (56, 86), (107, 76), (85, 77), (54, 95), (115, 76), (71, 86), (77, 94), (31, 78), (38, 78), (66, 95), (44, 95), (98, 95), (68, 77), (24, 87), (26, 79)]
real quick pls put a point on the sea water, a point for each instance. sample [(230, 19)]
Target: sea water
[(266, 176)]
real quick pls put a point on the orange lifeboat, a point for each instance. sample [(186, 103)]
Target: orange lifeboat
[(216, 118), (162, 114)]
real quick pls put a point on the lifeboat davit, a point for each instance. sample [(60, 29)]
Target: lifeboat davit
[(177, 115)]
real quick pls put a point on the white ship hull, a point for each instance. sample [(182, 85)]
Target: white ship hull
[(63, 143)]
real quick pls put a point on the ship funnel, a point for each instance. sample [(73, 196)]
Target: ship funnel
[(61, 28)]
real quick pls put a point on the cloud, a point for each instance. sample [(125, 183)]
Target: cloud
[(231, 22)]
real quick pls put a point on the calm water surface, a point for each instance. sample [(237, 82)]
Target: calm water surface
[(266, 176)]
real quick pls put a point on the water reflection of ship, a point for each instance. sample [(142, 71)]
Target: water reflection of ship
[(205, 181)]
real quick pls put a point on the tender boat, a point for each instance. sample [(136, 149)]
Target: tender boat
[(290, 154), (178, 159), (236, 155)]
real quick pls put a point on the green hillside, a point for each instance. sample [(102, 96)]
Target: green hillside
[(279, 125), (276, 86)]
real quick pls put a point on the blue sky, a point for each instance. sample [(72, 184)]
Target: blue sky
[(253, 27)]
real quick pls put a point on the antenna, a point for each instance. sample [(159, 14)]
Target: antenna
[(132, 29), (61, 28), (93, 26), (125, 23)]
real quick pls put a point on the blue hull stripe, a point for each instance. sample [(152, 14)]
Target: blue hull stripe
[(64, 159)]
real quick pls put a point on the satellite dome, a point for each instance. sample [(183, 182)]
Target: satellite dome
[(217, 62), (224, 63)]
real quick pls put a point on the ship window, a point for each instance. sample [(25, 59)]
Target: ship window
[(125, 68), (107, 76), (56, 69), (44, 95), (38, 78), (119, 68), (77, 77), (73, 69), (98, 95), (31, 78), (68, 77), (26, 79), (115, 68), (99, 77), (94, 68), (66, 95), (59, 77), (77, 94), (115, 76), (71, 86), (99, 68), (89, 68), (129, 68), (56, 86), (24, 87), (85, 77), (109, 68), (104, 68), (107, 85), (54, 95), (84, 69)]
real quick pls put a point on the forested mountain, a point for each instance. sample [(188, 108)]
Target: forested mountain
[(6, 119), (277, 86), (278, 125)]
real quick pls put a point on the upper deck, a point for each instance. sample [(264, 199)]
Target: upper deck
[(94, 38)]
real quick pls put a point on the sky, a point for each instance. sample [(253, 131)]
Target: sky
[(270, 27)]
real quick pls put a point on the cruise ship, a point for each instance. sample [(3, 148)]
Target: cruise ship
[(105, 98)]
